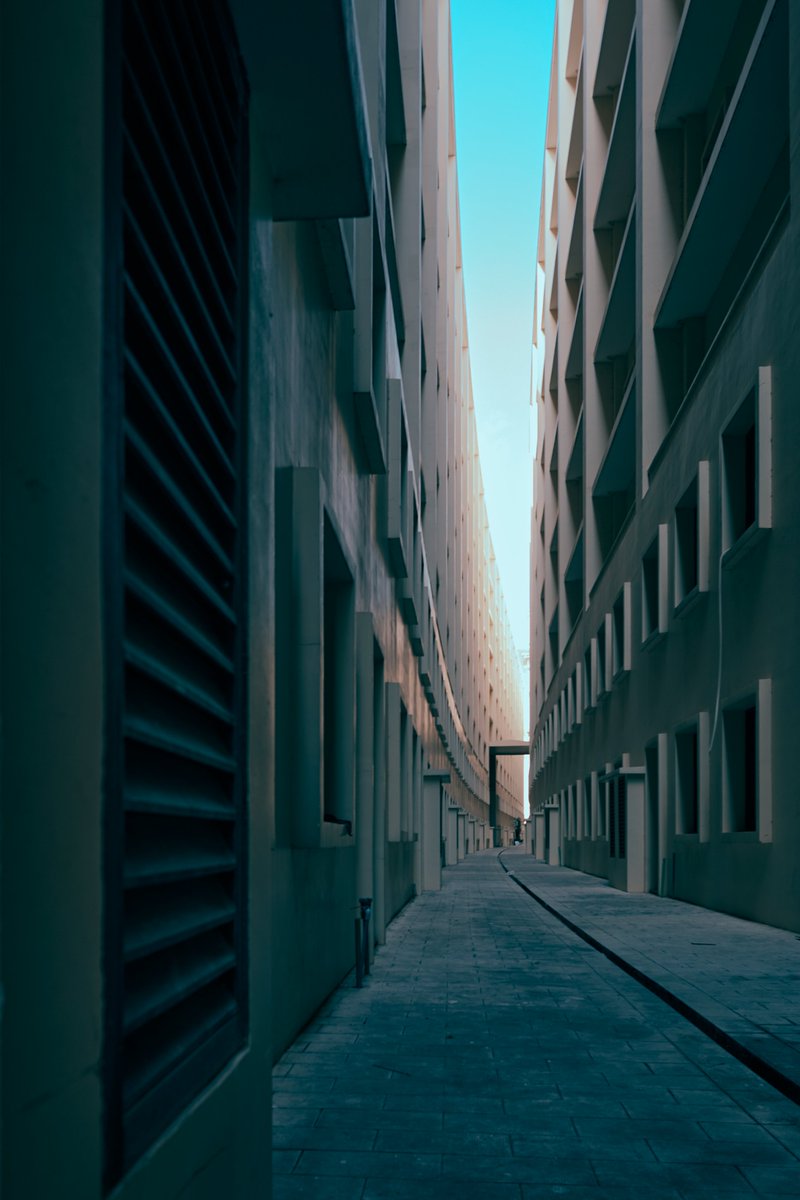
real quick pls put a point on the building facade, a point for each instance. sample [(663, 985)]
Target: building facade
[(254, 646), (666, 522)]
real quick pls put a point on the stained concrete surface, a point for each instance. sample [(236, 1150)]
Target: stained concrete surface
[(494, 1055), (741, 977)]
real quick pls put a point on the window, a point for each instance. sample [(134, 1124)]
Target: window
[(621, 633), (740, 767), (600, 642), (175, 943), (687, 780), (691, 538), (602, 801), (746, 467), (395, 485), (587, 807), (370, 345), (617, 816), (747, 764), (654, 586), (588, 675), (338, 678), (686, 544)]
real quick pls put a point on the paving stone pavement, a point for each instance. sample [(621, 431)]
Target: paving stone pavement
[(741, 977), (494, 1055)]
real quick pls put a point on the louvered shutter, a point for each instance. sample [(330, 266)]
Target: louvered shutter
[(175, 949)]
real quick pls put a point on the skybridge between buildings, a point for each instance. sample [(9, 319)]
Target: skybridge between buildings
[(500, 748)]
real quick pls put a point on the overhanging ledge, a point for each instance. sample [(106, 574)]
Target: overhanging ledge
[(304, 69)]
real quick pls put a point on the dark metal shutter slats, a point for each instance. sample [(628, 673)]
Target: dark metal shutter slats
[(173, 494), (165, 200), (161, 607), (199, 114), (159, 1054), (170, 381), (212, 212), (208, 314), (164, 979), (181, 984), (184, 462), (170, 544), (178, 320), (156, 919), (149, 665)]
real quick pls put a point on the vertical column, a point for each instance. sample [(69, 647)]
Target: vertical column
[(365, 746)]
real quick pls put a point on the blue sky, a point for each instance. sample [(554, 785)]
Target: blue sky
[(501, 63)]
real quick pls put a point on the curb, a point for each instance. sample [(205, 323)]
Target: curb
[(782, 1083)]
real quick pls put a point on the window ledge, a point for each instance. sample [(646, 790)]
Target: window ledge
[(689, 601), (335, 836), (752, 536), (653, 639), (740, 835)]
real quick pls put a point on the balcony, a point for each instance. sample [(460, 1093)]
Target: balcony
[(553, 380), (755, 131), (620, 15), (574, 364), (303, 64), (618, 328), (617, 470), (552, 302), (573, 268), (575, 461), (575, 152), (619, 177), (700, 46)]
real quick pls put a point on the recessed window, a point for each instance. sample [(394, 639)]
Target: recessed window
[(654, 581), (600, 642), (617, 816), (338, 668), (746, 466), (687, 780), (587, 807), (588, 677), (691, 537), (602, 801), (620, 632), (686, 543), (740, 767)]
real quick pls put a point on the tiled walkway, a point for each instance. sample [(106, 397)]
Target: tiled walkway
[(740, 977), (494, 1055)]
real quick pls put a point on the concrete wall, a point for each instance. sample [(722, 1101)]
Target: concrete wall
[(311, 360), (673, 676)]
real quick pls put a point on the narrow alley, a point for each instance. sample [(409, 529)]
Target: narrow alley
[(494, 1054)]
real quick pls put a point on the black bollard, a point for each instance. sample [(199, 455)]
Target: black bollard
[(359, 954), (366, 913)]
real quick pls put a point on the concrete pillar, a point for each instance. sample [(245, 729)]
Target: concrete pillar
[(431, 831), (365, 745), (451, 836), (379, 818), (539, 836), (462, 834), (553, 818)]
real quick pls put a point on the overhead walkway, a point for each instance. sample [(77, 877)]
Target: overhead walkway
[(494, 1054)]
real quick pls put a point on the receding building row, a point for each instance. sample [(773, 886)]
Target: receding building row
[(254, 645), (666, 520)]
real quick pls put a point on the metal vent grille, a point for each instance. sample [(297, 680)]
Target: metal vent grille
[(175, 995)]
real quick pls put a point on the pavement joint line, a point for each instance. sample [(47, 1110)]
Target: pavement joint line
[(766, 1071)]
